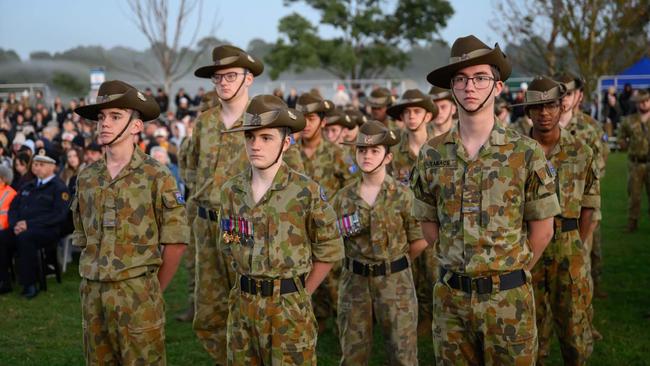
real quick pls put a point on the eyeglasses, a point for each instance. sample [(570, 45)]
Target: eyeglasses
[(229, 77), (551, 107), (480, 82)]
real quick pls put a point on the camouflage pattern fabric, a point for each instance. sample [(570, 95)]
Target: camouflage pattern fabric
[(217, 156), (522, 126), (191, 210), (383, 234), (492, 329), (278, 237), (123, 321), (328, 168), (481, 206), (562, 278), (120, 224), (276, 330), (292, 157), (403, 160), (636, 136)]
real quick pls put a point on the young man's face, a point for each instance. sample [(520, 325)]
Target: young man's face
[(472, 93), (263, 146), (568, 101), (227, 81), (333, 133), (368, 158), (644, 106), (414, 117), (446, 109), (546, 116), (313, 125), (378, 113), (110, 123)]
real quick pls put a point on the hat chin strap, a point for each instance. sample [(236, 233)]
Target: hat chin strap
[(284, 135), (237, 91), (378, 165), (121, 132), (480, 105)]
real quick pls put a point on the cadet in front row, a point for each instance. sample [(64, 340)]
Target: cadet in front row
[(280, 235), (381, 239), (130, 222)]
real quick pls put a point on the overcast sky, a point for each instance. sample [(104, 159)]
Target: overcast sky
[(44, 25)]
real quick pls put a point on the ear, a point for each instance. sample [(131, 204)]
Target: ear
[(428, 116), (389, 158), (498, 88), (286, 143), (137, 126)]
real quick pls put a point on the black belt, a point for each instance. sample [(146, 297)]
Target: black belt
[(265, 287), (567, 224), (638, 159), (374, 270), (204, 213), (483, 285)]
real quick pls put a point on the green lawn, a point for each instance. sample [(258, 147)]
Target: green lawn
[(47, 330)]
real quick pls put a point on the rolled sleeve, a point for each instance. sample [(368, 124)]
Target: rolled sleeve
[(541, 200), (424, 207), (78, 235), (327, 244), (173, 228)]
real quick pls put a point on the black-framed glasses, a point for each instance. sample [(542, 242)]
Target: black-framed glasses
[(552, 107), (229, 77), (480, 82)]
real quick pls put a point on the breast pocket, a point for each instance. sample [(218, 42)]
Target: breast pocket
[(287, 242), (446, 185), (502, 206)]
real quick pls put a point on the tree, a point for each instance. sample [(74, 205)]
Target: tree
[(372, 38), (175, 60), (603, 36)]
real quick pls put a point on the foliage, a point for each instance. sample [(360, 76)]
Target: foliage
[(371, 37), (69, 84)]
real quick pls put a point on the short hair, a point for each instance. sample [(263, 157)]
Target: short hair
[(6, 174), (496, 73)]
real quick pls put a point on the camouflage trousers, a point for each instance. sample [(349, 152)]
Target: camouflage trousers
[(490, 329), (271, 331), (425, 275), (190, 252), (638, 177), (326, 295), (563, 293), (123, 321), (392, 300), (214, 279), (596, 256)]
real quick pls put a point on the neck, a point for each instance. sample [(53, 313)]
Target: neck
[(547, 139), (645, 115), (314, 141), (266, 176), (442, 128), (565, 118), (375, 178), (120, 153), (419, 136), (236, 105), (477, 125)]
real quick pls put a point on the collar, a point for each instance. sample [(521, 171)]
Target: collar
[(280, 181), (137, 158), (497, 135), (46, 180), (388, 188)]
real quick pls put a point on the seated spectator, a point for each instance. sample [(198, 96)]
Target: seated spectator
[(7, 194), (74, 164), (92, 153), (22, 170), (35, 218)]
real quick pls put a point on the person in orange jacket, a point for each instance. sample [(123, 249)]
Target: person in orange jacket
[(7, 195)]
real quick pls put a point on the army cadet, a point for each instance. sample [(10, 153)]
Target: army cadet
[(359, 119), (502, 111), (486, 198), (634, 136), (324, 163), (208, 100), (130, 222), (446, 111), (595, 241), (561, 278), (36, 216), (337, 125), (213, 158), (417, 110), (280, 234), (381, 239), (379, 101)]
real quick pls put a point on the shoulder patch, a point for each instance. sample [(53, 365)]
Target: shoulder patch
[(550, 168), (179, 198), (323, 196)]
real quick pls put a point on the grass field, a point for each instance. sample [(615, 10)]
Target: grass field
[(47, 330)]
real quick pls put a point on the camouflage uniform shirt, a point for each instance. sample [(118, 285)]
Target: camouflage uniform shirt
[(120, 223), (403, 159), (327, 167), (481, 205), (380, 236), (637, 135), (291, 226)]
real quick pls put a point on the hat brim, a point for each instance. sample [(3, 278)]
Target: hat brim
[(441, 77), (396, 110), (296, 124), (44, 159), (148, 109), (256, 68)]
